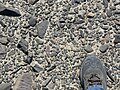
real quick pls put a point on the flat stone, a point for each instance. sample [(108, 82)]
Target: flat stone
[(75, 1), (23, 82), (46, 82), (117, 45), (3, 51), (109, 12), (23, 46), (3, 40), (117, 11), (117, 39), (41, 28), (5, 86), (81, 13), (52, 67), (36, 66), (88, 49), (117, 2), (29, 58), (105, 3), (32, 1), (2, 24), (90, 15), (32, 22), (103, 48), (9, 11), (2, 7)]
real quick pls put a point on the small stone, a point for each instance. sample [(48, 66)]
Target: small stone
[(81, 13), (75, 1), (105, 3), (117, 2), (52, 67), (5, 86), (23, 82), (2, 24), (46, 82), (109, 12), (117, 11), (62, 20), (3, 40), (41, 28), (2, 7), (3, 51), (117, 39), (36, 66), (117, 22), (23, 46), (117, 45), (32, 22), (90, 15), (88, 49), (32, 1), (9, 11), (29, 58), (103, 48)]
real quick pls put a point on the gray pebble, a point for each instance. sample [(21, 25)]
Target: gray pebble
[(105, 3), (5, 86), (41, 28), (23, 82), (9, 11), (3, 40), (36, 67), (117, 39), (103, 48), (32, 22), (109, 12), (3, 51), (88, 49), (46, 82), (32, 1), (23, 45)]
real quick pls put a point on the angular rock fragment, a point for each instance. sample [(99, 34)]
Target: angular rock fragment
[(36, 67), (117, 39), (2, 24), (52, 67), (90, 15), (24, 82), (3, 51), (103, 48), (2, 7), (46, 82), (75, 1), (105, 3), (81, 13), (23, 46), (88, 49), (117, 11), (9, 11), (29, 58), (41, 28), (3, 40), (5, 86), (32, 1), (109, 12), (32, 22)]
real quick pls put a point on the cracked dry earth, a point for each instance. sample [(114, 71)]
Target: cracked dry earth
[(47, 40)]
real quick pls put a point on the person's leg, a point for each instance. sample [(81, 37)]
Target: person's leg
[(95, 87)]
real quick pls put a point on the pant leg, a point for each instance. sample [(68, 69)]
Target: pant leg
[(95, 87)]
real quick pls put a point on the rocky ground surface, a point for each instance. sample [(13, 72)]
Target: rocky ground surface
[(48, 40)]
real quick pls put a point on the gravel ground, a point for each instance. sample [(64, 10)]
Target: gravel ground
[(49, 39)]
